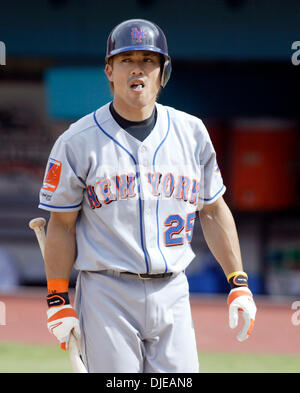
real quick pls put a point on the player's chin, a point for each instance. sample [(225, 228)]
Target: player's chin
[(140, 99)]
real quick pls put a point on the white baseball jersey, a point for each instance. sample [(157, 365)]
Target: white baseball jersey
[(137, 200)]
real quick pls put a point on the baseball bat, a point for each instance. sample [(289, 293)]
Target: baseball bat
[(38, 226)]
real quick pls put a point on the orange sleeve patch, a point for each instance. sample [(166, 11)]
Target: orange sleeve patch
[(53, 175)]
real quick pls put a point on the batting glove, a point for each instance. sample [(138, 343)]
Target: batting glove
[(61, 321), (62, 318), (240, 299)]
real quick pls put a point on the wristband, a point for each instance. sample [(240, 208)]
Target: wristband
[(57, 292), (237, 279), (57, 285)]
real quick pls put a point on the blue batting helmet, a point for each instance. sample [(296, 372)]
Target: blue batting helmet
[(140, 34)]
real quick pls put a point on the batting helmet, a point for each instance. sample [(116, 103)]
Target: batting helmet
[(140, 34)]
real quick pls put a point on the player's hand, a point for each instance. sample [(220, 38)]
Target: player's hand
[(61, 321), (241, 300)]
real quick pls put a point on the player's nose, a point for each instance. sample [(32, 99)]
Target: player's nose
[(137, 68)]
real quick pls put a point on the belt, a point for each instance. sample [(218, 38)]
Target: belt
[(142, 276), (145, 276)]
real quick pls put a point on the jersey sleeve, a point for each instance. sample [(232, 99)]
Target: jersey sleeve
[(212, 186), (63, 187)]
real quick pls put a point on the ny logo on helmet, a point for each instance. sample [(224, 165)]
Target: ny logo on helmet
[(137, 35)]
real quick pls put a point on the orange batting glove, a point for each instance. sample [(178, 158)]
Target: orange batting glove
[(240, 299), (62, 318)]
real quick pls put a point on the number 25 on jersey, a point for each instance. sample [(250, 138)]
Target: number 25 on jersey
[(174, 235)]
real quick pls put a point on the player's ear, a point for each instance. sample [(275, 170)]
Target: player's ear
[(108, 71)]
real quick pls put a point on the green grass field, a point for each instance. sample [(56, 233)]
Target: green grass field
[(21, 358)]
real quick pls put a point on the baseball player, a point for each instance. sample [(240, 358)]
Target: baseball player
[(123, 185)]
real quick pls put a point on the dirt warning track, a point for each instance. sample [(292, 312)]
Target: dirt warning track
[(274, 332)]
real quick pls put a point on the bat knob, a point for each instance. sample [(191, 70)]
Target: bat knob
[(37, 223)]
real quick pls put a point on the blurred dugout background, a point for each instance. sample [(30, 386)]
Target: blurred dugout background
[(232, 68)]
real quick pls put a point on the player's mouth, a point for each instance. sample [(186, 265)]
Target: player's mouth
[(137, 85)]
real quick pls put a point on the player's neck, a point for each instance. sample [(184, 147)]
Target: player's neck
[(133, 113)]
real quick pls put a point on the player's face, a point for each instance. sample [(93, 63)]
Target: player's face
[(136, 77)]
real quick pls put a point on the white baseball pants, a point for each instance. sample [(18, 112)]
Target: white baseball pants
[(130, 325)]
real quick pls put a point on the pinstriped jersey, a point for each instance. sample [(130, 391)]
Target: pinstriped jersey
[(137, 201)]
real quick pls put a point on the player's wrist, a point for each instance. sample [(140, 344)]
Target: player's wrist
[(57, 292), (237, 279)]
